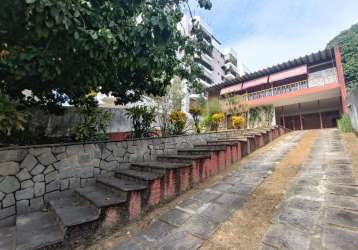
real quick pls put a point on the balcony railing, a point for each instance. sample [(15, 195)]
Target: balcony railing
[(292, 87)]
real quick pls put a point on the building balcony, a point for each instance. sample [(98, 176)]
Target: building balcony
[(204, 83), (293, 93), (292, 87), (206, 72), (229, 76), (230, 66), (205, 57)]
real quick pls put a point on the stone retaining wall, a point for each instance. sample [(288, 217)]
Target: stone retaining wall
[(31, 175)]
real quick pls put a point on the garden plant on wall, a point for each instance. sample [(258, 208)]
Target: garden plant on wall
[(237, 107), (260, 116), (213, 116)]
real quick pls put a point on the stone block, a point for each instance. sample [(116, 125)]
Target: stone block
[(24, 175), (339, 239), (24, 194), (8, 222), (16, 155), (86, 172), (284, 237), (38, 169), (9, 168), (64, 184), (22, 207), (2, 195), (68, 162), (53, 186), (93, 149), (49, 169), (7, 212), (65, 173), (58, 150), (175, 217), (37, 204), (75, 183), (39, 189), (109, 166), (52, 176), (26, 184), (29, 162), (199, 226), (62, 156), (8, 201), (39, 178), (39, 151), (47, 158), (74, 150), (9, 184), (87, 182), (96, 171), (341, 218)]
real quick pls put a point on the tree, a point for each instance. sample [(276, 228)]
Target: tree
[(348, 43), (166, 104), (60, 51)]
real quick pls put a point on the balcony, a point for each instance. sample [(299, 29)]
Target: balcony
[(229, 76), (292, 87), (204, 83), (206, 72), (206, 58)]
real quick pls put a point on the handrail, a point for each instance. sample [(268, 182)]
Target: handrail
[(288, 88)]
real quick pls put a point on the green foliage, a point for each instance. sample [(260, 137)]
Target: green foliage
[(12, 118), (216, 120), (260, 116), (171, 101), (348, 43), (344, 124), (236, 104), (94, 121), (142, 118), (213, 106), (196, 112), (62, 50), (178, 120)]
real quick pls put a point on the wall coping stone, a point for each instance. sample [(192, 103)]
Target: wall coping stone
[(54, 145)]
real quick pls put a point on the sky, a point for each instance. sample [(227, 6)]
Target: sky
[(268, 32)]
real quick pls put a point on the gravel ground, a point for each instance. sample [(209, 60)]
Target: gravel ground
[(350, 141)]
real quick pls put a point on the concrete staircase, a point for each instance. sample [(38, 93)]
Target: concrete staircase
[(130, 193)]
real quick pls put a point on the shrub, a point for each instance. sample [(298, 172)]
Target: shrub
[(12, 118), (196, 113), (177, 122), (216, 119), (238, 121), (344, 124), (94, 121), (142, 118)]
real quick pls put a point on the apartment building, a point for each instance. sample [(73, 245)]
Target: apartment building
[(304, 93), (217, 64)]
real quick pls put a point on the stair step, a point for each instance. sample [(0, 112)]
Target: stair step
[(162, 165), (218, 146), (37, 230), (199, 150), (101, 197), (120, 184), (73, 211), (226, 141), (7, 238), (184, 157), (142, 175)]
